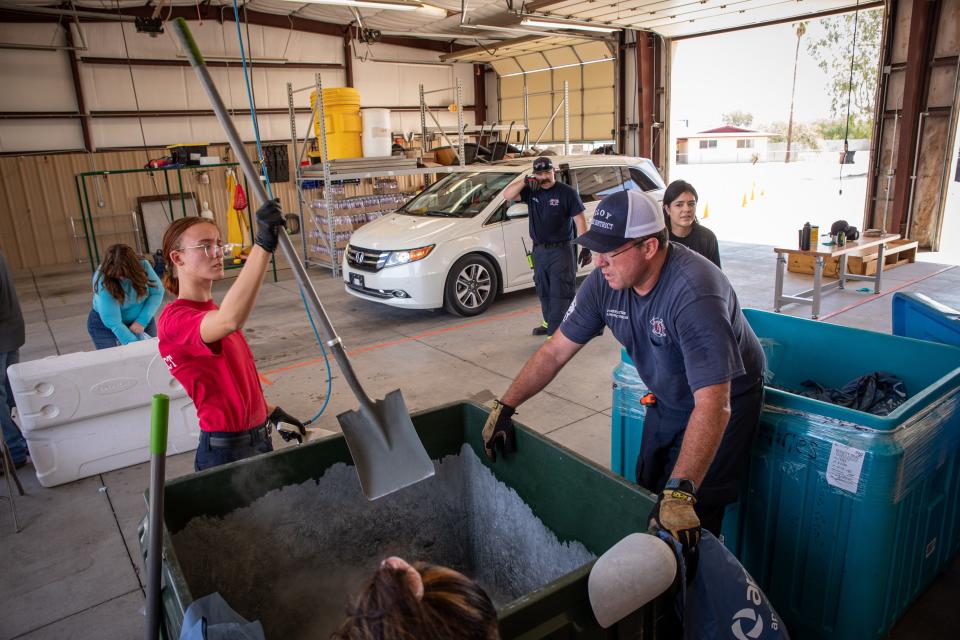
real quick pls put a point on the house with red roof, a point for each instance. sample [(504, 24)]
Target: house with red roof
[(722, 144)]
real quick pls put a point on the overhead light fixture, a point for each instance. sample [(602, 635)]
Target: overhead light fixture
[(498, 27), (388, 5), (432, 10), (549, 23)]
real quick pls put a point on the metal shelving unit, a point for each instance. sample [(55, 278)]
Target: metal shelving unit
[(323, 212), (87, 218)]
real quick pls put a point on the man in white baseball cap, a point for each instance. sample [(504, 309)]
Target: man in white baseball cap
[(679, 319)]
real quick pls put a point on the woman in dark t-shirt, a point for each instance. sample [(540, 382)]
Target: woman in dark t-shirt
[(680, 214)]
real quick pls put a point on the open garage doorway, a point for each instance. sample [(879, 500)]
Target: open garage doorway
[(759, 119)]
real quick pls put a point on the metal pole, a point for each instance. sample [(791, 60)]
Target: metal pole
[(183, 204), (423, 124), (526, 114), (300, 274), (913, 176), (92, 234), (325, 163), (166, 184), (159, 414), (460, 128), (83, 216), (296, 170), (443, 134), (549, 122), (566, 118), (893, 149)]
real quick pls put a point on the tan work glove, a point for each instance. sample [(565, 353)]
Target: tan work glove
[(498, 431), (674, 514)]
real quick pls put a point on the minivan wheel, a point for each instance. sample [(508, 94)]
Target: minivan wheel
[(471, 286)]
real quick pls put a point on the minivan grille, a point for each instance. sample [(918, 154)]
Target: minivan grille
[(366, 259)]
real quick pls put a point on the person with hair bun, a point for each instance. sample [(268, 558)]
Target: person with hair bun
[(203, 344), (422, 602), (126, 296)]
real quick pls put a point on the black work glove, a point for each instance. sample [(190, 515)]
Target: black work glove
[(674, 514), (288, 427), (270, 221), (532, 183), (498, 431), (585, 257)]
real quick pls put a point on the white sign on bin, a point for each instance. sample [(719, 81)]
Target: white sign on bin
[(844, 466)]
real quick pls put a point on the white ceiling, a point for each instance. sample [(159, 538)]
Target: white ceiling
[(670, 18)]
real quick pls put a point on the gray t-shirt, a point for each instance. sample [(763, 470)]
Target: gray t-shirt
[(11, 318), (686, 334)]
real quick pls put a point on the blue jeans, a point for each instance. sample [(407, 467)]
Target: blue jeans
[(208, 456), (11, 433), (103, 337)]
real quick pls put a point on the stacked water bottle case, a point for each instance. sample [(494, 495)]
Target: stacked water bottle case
[(351, 209)]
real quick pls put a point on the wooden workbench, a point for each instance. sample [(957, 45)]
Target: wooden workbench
[(820, 255)]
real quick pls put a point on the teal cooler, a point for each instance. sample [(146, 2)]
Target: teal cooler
[(918, 316), (628, 414), (847, 516)]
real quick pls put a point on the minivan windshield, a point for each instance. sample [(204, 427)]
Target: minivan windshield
[(458, 195)]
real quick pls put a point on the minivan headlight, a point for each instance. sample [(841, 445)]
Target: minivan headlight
[(397, 258)]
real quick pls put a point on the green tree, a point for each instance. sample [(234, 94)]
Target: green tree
[(737, 118), (834, 129), (805, 136), (833, 52)]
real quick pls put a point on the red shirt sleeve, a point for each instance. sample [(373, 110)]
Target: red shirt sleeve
[(180, 325)]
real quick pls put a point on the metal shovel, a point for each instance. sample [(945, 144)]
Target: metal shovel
[(384, 445)]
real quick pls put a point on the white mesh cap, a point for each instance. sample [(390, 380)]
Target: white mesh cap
[(620, 217)]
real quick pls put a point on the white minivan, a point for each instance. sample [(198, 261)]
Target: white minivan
[(459, 244)]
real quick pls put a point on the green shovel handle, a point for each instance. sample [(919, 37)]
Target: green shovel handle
[(159, 411)]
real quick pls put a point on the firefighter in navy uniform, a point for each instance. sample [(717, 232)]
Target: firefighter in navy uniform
[(554, 208), (679, 318)]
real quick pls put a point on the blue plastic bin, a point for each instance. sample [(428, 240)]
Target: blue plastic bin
[(846, 517), (918, 316), (628, 414)]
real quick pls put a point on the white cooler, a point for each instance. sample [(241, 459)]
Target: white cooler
[(87, 413)]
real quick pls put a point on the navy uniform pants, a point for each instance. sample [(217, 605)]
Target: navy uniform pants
[(663, 431), (554, 276)]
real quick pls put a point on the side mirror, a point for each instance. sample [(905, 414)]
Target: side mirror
[(517, 210)]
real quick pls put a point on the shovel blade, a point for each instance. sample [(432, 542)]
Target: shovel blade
[(385, 447)]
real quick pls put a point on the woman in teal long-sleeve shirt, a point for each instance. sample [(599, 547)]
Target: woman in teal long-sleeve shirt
[(126, 296)]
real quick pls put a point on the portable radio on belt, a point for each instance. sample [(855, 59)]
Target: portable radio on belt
[(529, 255)]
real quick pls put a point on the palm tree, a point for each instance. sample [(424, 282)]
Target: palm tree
[(801, 29)]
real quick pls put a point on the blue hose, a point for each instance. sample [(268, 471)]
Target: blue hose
[(256, 133)]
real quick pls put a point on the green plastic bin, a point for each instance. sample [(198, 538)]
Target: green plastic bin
[(574, 498)]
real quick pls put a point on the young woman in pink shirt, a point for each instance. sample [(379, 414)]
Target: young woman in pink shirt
[(203, 344)]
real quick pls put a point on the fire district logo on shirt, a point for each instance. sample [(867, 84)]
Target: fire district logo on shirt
[(658, 328), (554, 202)]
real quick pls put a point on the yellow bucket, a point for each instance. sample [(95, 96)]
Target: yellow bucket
[(341, 108)]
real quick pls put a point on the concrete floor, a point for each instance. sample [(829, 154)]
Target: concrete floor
[(74, 571)]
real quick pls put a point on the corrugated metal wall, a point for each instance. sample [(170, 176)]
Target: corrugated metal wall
[(37, 192), (38, 197)]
